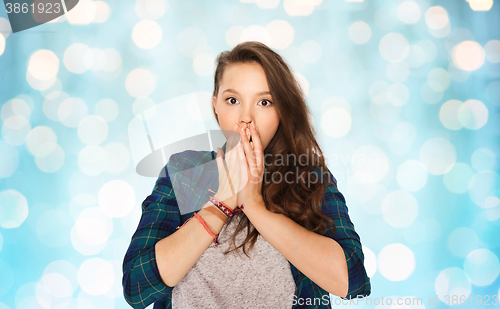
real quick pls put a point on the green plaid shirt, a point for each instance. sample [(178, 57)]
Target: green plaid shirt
[(142, 283)]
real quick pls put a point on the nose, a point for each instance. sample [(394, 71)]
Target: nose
[(246, 115)]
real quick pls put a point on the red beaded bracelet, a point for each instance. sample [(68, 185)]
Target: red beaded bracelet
[(215, 236), (226, 210)]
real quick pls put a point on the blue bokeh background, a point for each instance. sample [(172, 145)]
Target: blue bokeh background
[(405, 97)]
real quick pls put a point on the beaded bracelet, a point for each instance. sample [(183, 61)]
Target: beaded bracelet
[(215, 236), (226, 210), (215, 211)]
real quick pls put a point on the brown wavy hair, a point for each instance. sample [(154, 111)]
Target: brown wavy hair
[(294, 137)]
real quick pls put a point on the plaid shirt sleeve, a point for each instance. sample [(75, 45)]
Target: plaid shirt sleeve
[(142, 283), (335, 207), (311, 295)]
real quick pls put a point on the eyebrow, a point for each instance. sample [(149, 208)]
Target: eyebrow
[(234, 91)]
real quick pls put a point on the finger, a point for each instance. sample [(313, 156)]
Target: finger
[(221, 164), (237, 132), (253, 169), (232, 175), (222, 172), (232, 140), (257, 145), (231, 150), (227, 169), (218, 159), (233, 160), (236, 167), (230, 180), (243, 167), (233, 137), (247, 148)]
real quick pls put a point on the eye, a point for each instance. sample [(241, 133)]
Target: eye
[(268, 103), (231, 100)]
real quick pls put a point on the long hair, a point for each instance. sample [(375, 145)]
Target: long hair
[(302, 200)]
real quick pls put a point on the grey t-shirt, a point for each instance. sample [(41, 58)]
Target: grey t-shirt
[(235, 281)]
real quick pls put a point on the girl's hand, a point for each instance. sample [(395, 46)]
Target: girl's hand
[(230, 180), (251, 155)]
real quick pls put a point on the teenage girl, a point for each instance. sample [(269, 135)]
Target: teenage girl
[(274, 200)]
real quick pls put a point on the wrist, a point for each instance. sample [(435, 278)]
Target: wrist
[(228, 211), (257, 203), (213, 222), (226, 202), (216, 211)]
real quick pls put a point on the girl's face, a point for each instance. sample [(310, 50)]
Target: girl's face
[(244, 97)]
